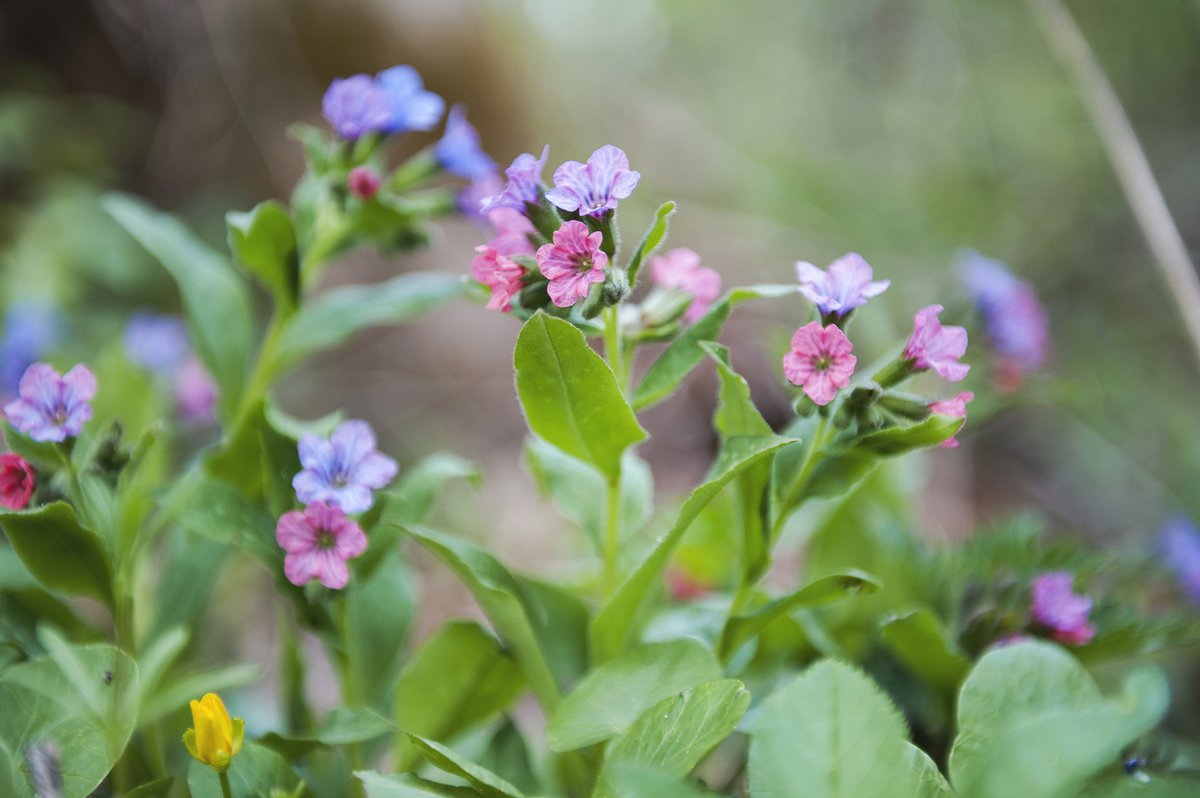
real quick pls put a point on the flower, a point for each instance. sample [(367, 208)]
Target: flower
[(363, 182), (458, 150), (680, 269), (356, 105), (955, 408), (17, 481), (498, 273), (214, 738), (471, 198), (52, 407), (195, 391), (1060, 610), (318, 542), (933, 346), (1179, 541), (31, 327), (845, 286), (343, 470), (593, 188), (820, 361), (524, 186), (1013, 318), (410, 106), (572, 262), (155, 342), (512, 232)]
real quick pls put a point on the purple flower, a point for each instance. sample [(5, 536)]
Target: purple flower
[(458, 150), (356, 105), (572, 262), (317, 543), (1060, 610), (410, 106), (593, 188), (472, 197), (156, 342), (195, 391), (524, 186), (1179, 541), (1014, 320), (52, 407), (933, 346), (30, 329), (845, 286), (343, 470)]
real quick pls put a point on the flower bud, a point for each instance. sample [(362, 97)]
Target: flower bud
[(363, 182), (214, 738)]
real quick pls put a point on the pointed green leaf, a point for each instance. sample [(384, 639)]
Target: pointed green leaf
[(485, 782), (655, 234), (60, 553), (263, 241)]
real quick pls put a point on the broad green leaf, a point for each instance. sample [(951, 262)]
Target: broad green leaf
[(191, 565), (342, 726), (920, 641), (570, 397), (334, 317), (684, 353), (25, 606), (831, 733), (214, 508), (219, 312), (254, 772), (736, 413), (263, 241), (507, 755), (485, 782), (631, 780), (1160, 786), (560, 623), (375, 622), (929, 781), (655, 234), (60, 553), (613, 624), (674, 735), (612, 697), (152, 789), (460, 678), (406, 785)]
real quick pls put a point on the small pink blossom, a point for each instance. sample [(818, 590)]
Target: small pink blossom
[(845, 286), (1060, 610), (680, 269), (498, 273), (17, 481), (318, 542), (195, 391), (363, 182), (512, 232), (572, 263), (955, 408), (933, 346), (820, 361)]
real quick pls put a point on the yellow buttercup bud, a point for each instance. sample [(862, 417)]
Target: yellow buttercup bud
[(215, 738)]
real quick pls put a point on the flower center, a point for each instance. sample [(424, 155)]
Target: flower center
[(822, 362), (325, 539), (60, 416)]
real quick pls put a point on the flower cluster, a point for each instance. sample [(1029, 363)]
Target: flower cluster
[(159, 344), (394, 101)]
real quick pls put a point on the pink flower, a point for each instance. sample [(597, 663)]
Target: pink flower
[(680, 269), (845, 286), (498, 273), (933, 346), (572, 263), (363, 182), (820, 361), (195, 391), (1060, 610), (955, 408), (17, 481), (318, 542), (512, 232)]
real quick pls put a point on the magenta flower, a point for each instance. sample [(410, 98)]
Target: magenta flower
[(1060, 610), (820, 361), (572, 263), (410, 106), (195, 391), (1013, 318), (680, 269), (845, 286), (458, 150), (955, 408), (363, 182), (17, 481), (356, 105), (593, 188), (343, 470), (512, 232), (498, 273), (524, 186), (317, 543), (52, 407), (933, 346)]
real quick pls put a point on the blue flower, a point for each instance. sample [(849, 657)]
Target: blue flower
[(156, 342), (30, 329), (343, 470), (592, 189), (357, 105), (524, 186), (1013, 318), (410, 106), (458, 150), (1179, 541), (52, 407)]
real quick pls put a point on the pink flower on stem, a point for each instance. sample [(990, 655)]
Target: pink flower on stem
[(318, 542), (1060, 610), (680, 269), (820, 361), (933, 346), (845, 286), (498, 273), (17, 481), (363, 182), (572, 263), (512, 232), (955, 408)]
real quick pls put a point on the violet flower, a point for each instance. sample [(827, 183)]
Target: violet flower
[(572, 262), (524, 186), (156, 342), (344, 469), (195, 391), (1179, 542), (680, 269), (410, 106), (52, 407), (592, 189), (472, 197), (356, 105), (820, 361), (458, 150), (933, 346), (1057, 608), (846, 285), (1013, 318), (318, 542)]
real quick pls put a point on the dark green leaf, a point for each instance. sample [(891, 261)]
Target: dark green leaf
[(378, 612), (60, 553), (264, 242), (919, 640)]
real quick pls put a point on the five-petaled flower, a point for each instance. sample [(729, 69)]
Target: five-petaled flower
[(820, 361), (214, 738), (524, 186), (592, 189), (498, 273), (845, 286), (955, 408), (344, 469), (318, 542), (680, 269), (572, 262), (1057, 608), (52, 407), (1013, 318), (356, 105), (933, 346), (17, 481), (458, 150), (410, 106)]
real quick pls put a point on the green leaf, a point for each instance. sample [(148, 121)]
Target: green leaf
[(342, 726), (485, 782), (42, 455), (215, 509), (1159, 786), (507, 755), (377, 615), (335, 316), (612, 697), (920, 641), (459, 679), (674, 735), (294, 428), (631, 780), (736, 413), (684, 354), (570, 397), (655, 234), (405, 785), (60, 553), (264, 242), (613, 624), (177, 691), (930, 783), (412, 498), (219, 312), (254, 772), (152, 789)]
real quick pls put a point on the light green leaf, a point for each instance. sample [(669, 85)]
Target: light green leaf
[(262, 240), (923, 645), (254, 772), (929, 781), (293, 428), (175, 694), (342, 726), (152, 789), (485, 782), (655, 234), (413, 496), (630, 780), (60, 553), (405, 785)]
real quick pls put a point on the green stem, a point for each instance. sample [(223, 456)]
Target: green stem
[(612, 536), (226, 790), (612, 345), (797, 490)]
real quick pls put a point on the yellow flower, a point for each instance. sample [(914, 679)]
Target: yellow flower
[(215, 738)]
